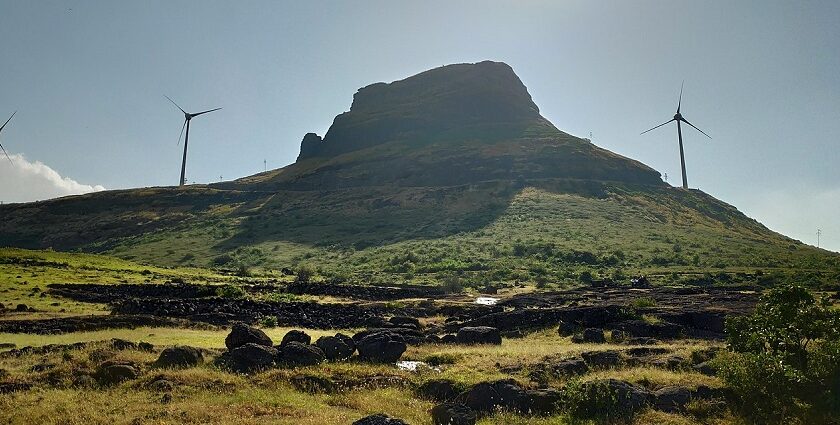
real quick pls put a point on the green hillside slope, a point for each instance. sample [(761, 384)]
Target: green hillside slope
[(452, 172)]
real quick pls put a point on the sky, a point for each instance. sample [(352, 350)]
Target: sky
[(88, 80)]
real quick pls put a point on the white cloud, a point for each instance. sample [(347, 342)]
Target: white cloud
[(24, 181), (798, 213)]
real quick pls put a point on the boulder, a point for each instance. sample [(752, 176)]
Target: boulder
[(567, 329), (379, 419), (251, 357), (478, 335), (121, 344), (439, 390), (610, 398), (448, 339), (346, 339), (382, 347), (602, 359), (486, 397), (569, 367), (241, 334), (405, 321), (295, 336), (298, 354), (661, 330), (671, 399), (590, 335), (706, 368), (334, 348), (453, 414), (544, 401), (180, 357), (112, 373)]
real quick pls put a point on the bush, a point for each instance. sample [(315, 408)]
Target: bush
[(305, 273), (452, 285), (786, 361), (231, 291)]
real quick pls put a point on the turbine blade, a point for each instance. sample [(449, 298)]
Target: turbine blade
[(680, 101), (182, 133), (654, 128), (200, 113), (7, 121), (176, 105), (7, 155), (704, 133)]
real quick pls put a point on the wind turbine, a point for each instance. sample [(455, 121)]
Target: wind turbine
[(679, 118), (187, 117), (1, 146)]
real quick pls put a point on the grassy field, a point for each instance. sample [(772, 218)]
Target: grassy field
[(208, 395)]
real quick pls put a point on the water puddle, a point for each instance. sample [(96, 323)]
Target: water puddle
[(486, 300)]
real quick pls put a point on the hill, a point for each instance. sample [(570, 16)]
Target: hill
[(449, 172)]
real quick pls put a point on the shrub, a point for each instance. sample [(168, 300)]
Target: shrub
[(452, 285), (269, 322), (644, 302), (786, 360), (231, 291), (305, 273)]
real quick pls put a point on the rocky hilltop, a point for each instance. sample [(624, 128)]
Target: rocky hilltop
[(456, 124)]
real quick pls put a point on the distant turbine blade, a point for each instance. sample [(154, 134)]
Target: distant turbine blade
[(7, 121), (704, 133), (182, 133), (7, 155), (176, 105), (195, 115), (680, 102), (660, 125)]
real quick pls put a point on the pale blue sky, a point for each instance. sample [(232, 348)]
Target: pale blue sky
[(761, 77)]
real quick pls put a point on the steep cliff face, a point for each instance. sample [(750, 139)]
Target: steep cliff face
[(485, 98)]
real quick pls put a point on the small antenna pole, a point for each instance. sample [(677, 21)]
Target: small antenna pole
[(819, 232), (265, 165)]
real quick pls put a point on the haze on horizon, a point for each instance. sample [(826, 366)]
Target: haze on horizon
[(88, 80)]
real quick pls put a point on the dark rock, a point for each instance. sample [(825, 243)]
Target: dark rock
[(22, 308), (161, 384), (486, 397), (382, 347), (180, 357), (145, 346), (610, 398), (706, 369), (334, 348), (295, 336), (11, 387), (646, 351), (241, 334), (642, 341), (662, 330), (121, 344), (112, 373), (543, 401), (347, 340), (479, 335), (602, 359), (84, 380), (404, 321), (453, 414), (251, 357), (379, 419), (670, 362), (704, 355), (617, 335), (313, 384), (409, 335), (671, 399), (448, 339), (567, 329), (590, 335), (309, 147), (569, 367), (439, 390), (298, 354)]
